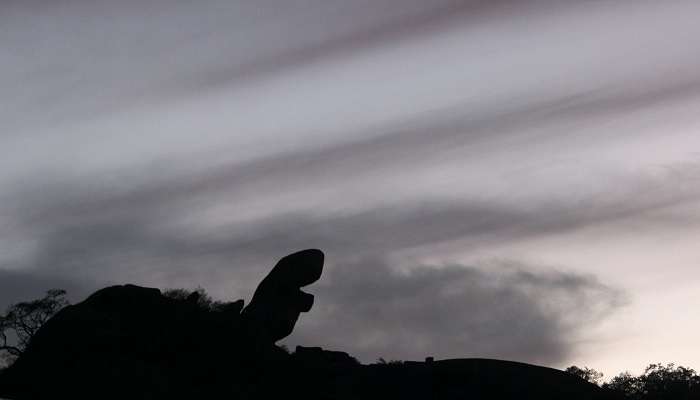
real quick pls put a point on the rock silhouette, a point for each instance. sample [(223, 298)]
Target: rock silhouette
[(278, 300), (132, 342)]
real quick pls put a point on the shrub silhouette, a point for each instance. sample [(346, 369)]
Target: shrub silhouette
[(198, 296)]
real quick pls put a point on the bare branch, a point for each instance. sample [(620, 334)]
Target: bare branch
[(23, 320)]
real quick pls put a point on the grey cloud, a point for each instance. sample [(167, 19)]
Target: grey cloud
[(372, 310), (416, 21), (500, 311), (207, 45), (77, 222), (157, 52), (123, 235), (364, 306), (402, 147), (131, 238)]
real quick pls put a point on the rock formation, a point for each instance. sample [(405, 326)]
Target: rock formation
[(137, 340), (131, 342), (278, 300)]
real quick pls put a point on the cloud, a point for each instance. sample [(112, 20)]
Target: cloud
[(166, 230), (137, 234), (373, 310), (403, 98), (207, 46), (364, 304)]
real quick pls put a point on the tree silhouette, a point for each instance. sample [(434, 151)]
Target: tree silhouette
[(658, 382), (22, 320), (632, 387), (669, 381), (585, 373)]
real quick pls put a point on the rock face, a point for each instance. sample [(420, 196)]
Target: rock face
[(132, 342)]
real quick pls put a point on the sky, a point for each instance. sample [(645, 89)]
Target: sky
[(501, 179)]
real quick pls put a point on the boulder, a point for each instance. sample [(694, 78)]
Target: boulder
[(278, 300)]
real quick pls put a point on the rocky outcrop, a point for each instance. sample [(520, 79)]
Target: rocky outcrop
[(132, 342), (142, 344)]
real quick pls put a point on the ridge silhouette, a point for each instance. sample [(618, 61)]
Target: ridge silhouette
[(132, 342)]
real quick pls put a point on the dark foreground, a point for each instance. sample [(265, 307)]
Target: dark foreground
[(131, 342)]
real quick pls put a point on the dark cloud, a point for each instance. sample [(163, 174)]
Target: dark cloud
[(373, 310), (364, 305), (115, 232), (80, 226)]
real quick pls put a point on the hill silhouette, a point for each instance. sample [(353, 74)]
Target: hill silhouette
[(135, 342)]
